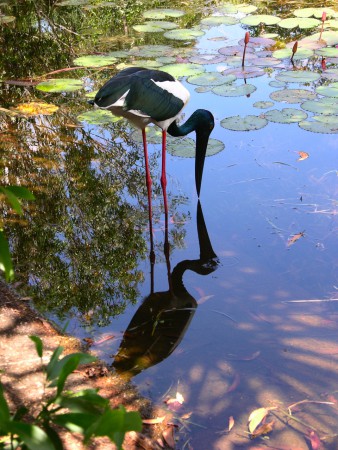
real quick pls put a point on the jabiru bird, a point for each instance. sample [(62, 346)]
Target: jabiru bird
[(146, 96)]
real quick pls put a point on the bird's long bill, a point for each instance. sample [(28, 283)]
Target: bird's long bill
[(201, 149)]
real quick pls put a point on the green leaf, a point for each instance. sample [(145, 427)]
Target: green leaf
[(33, 436), (75, 422), (52, 363), (90, 402), (5, 258), (21, 192), (12, 199), (4, 410), (38, 344)]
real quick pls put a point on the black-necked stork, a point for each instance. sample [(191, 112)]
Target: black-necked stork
[(151, 96)]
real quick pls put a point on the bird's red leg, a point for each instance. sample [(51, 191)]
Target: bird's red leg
[(149, 183), (164, 189)]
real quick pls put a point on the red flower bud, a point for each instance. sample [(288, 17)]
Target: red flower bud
[(294, 48), (323, 16), (246, 38)]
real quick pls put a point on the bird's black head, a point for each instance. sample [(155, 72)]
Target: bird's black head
[(204, 121), (204, 124)]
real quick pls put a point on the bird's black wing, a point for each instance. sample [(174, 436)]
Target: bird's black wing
[(150, 99)]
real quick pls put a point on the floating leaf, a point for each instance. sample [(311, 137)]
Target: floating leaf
[(168, 436), (60, 85), (295, 238), (183, 34), (328, 38), (263, 105), (292, 95), (211, 79), (328, 91), (257, 19), (286, 115), (153, 421), (327, 52), (277, 84), (150, 51), (231, 90), (154, 135), (325, 105), (231, 423), (315, 441), (263, 429), (247, 123), (245, 72), (256, 418), (302, 156), (298, 76), (302, 53), (301, 22), (145, 63), (98, 117), (234, 50), (207, 59), (36, 108), (319, 127), (219, 20), (95, 60), (155, 26), (186, 147), (162, 13), (317, 12), (183, 69)]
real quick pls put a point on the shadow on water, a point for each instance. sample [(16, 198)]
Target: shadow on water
[(160, 323)]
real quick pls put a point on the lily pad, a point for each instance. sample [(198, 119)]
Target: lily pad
[(298, 76), (328, 91), (219, 20), (186, 147), (150, 51), (327, 52), (268, 61), (246, 72), (234, 50), (319, 127), (95, 60), (207, 59), (292, 95), (301, 22), (246, 9), (330, 74), (162, 13), (302, 53), (263, 105), (277, 84), (316, 12), (183, 34), (325, 105), (60, 85), (231, 90), (36, 108), (98, 117), (256, 19), (211, 79), (145, 63), (247, 123), (329, 38), (180, 70), (154, 135), (286, 115), (155, 26)]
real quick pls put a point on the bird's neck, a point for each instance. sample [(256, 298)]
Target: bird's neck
[(184, 129)]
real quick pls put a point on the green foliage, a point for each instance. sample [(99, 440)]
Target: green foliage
[(84, 412), (13, 194)]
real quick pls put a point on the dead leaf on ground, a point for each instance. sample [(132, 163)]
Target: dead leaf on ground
[(294, 238), (302, 156), (256, 417), (169, 437), (231, 423), (315, 441), (263, 429), (153, 421)]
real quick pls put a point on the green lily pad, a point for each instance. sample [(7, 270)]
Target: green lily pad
[(219, 20), (298, 76), (154, 135), (246, 72), (317, 12), (246, 9), (268, 61), (329, 38), (234, 50), (325, 105), (228, 9), (162, 13), (186, 147), (155, 26), (247, 123), (145, 63), (180, 70), (6, 19), (207, 59), (95, 60), (286, 115), (330, 74), (150, 51), (60, 85), (292, 95), (183, 34), (277, 84), (328, 91), (263, 105), (319, 127), (301, 22), (211, 79), (302, 53), (231, 90), (327, 52), (98, 117), (257, 19)]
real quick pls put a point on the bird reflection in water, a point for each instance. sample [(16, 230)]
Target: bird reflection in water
[(163, 318)]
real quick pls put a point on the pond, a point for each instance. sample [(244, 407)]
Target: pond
[(240, 311)]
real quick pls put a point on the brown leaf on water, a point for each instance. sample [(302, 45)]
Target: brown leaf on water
[(256, 417), (36, 108), (294, 238), (168, 436), (263, 429), (153, 421), (186, 416), (315, 441), (231, 423), (302, 156), (234, 383)]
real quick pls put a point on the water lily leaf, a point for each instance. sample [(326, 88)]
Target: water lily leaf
[(246, 72), (302, 53), (328, 91), (6, 19), (263, 105), (330, 74), (219, 20), (228, 9), (183, 69), (321, 106), (235, 50), (256, 418), (150, 51), (256, 19), (207, 59), (95, 60), (154, 135), (327, 52), (292, 95), (155, 26), (247, 123), (277, 84), (247, 9), (301, 22), (268, 61), (36, 108), (145, 63), (261, 42), (211, 79), (286, 115), (231, 90), (162, 13), (317, 12), (60, 85), (298, 76), (329, 38), (186, 147), (319, 127), (183, 34), (98, 117)]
